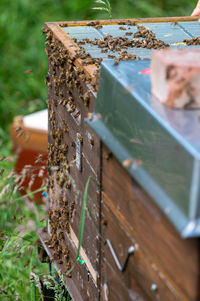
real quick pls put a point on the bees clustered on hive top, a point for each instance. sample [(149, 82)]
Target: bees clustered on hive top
[(119, 45), (193, 41)]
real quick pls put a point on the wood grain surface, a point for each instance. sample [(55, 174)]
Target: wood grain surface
[(177, 259)]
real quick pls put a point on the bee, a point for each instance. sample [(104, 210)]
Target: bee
[(72, 144), (116, 61), (46, 51), (67, 228), (68, 266), (39, 158), (66, 129), (129, 33), (108, 155), (98, 26), (104, 50), (68, 185), (64, 148), (89, 116), (20, 134), (54, 102), (61, 236), (47, 80), (1, 171), (127, 162), (65, 202), (91, 141), (175, 23), (47, 259), (104, 222), (111, 56), (76, 114), (18, 129), (80, 139), (72, 207), (66, 256)]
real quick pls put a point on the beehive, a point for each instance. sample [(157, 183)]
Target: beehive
[(75, 50), (30, 142), (140, 209)]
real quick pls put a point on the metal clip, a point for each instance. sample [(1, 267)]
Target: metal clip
[(130, 251)]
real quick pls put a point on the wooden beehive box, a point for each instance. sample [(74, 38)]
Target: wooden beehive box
[(30, 140), (75, 154)]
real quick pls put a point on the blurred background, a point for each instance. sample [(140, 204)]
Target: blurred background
[(23, 63)]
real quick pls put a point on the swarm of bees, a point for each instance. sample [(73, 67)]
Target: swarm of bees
[(143, 38), (194, 41)]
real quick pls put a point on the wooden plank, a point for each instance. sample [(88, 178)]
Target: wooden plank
[(73, 86), (177, 259), (120, 21), (72, 47), (84, 256), (80, 283), (139, 268), (70, 285)]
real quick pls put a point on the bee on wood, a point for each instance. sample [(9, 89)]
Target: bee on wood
[(108, 155), (65, 129), (76, 114), (72, 144), (122, 28), (18, 129), (20, 134), (68, 185), (91, 141), (98, 26), (68, 267), (39, 158), (80, 138)]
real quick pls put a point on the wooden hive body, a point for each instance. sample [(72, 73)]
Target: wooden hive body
[(75, 154), (30, 142)]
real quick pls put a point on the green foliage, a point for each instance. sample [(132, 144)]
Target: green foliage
[(18, 248), (105, 6), (58, 286)]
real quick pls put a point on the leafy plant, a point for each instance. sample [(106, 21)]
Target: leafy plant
[(105, 6), (19, 220), (57, 284)]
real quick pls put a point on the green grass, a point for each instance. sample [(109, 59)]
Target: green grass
[(18, 240)]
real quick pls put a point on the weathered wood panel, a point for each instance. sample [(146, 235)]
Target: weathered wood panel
[(139, 269), (80, 283), (176, 258)]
